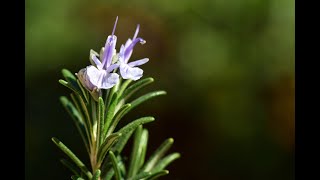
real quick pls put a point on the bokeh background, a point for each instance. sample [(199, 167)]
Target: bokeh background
[(227, 65)]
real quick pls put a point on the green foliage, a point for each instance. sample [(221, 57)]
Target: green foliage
[(97, 119)]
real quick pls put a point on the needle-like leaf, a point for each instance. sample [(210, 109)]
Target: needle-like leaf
[(100, 121), (138, 151), (164, 162), (133, 125), (72, 156), (115, 165), (136, 86), (117, 117), (157, 155), (140, 176), (156, 175), (110, 113), (70, 166), (145, 97), (77, 119), (110, 140)]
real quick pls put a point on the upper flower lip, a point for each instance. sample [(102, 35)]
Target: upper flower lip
[(110, 47), (109, 51), (127, 49)]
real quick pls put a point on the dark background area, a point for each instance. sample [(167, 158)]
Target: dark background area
[(228, 68)]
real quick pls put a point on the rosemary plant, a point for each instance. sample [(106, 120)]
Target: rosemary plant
[(99, 99)]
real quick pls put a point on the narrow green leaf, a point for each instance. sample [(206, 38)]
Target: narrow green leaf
[(163, 163), (85, 92), (75, 177), (109, 175), (70, 166), (96, 175), (86, 113), (109, 166), (93, 110), (158, 154), (74, 113), (92, 107), (72, 156), (135, 153), (118, 147), (106, 94), (72, 80), (133, 125), (111, 92), (110, 113), (72, 83), (136, 86), (115, 165), (143, 145), (121, 166), (138, 151), (140, 176), (77, 99), (81, 113), (156, 175), (68, 75), (100, 122), (146, 97), (68, 85), (124, 86), (122, 111), (77, 119), (107, 144)]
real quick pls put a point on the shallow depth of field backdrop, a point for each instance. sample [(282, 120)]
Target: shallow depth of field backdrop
[(227, 65)]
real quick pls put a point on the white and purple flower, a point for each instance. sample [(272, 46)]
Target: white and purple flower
[(99, 75), (129, 70)]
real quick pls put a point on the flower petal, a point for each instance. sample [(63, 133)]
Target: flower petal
[(95, 76), (101, 78), (109, 50), (128, 72), (122, 57), (110, 80), (129, 49), (138, 62), (128, 42), (112, 67), (96, 61), (121, 54)]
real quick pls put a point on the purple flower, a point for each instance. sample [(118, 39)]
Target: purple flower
[(129, 70), (99, 75)]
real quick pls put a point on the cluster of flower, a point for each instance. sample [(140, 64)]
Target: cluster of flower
[(101, 74)]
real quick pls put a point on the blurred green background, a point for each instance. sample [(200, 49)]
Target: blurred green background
[(227, 65)]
